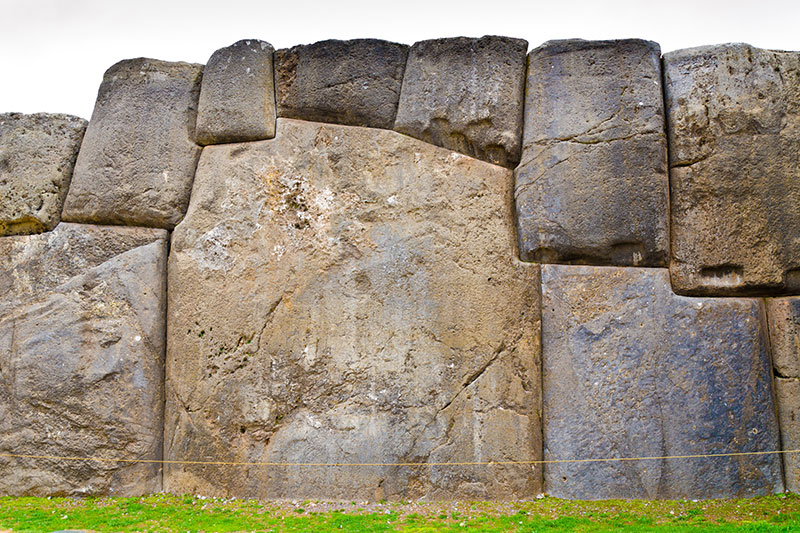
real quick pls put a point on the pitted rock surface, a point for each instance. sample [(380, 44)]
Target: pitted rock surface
[(138, 157), (784, 332), (82, 317), (787, 391), (632, 370), (734, 119), (351, 295), (237, 96), (466, 95), (37, 155), (356, 83), (592, 186)]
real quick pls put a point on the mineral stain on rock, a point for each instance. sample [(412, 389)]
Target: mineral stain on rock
[(335, 326)]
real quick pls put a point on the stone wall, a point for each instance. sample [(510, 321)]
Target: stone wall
[(443, 271)]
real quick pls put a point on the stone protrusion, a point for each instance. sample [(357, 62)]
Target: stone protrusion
[(356, 82), (787, 391), (37, 155), (318, 314), (783, 315), (138, 157), (592, 186), (466, 95), (82, 317), (632, 370), (237, 97), (734, 133)]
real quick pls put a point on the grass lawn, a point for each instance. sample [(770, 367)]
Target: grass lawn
[(164, 512)]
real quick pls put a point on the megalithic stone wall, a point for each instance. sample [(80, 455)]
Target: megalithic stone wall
[(435, 266)]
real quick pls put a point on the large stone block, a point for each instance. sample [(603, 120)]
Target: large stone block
[(330, 304), (37, 155), (466, 95), (784, 332), (632, 370), (787, 391), (82, 316), (345, 82), (592, 186), (137, 160), (237, 96), (734, 120)]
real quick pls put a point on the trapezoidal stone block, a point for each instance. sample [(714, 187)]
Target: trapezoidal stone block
[(787, 391), (82, 318), (734, 132), (137, 160), (356, 83), (593, 186), (330, 305), (783, 315), (37, 155), (632, 370), (237, 96), (466, 94)]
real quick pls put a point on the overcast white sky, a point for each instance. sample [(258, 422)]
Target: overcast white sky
[(53, 52)]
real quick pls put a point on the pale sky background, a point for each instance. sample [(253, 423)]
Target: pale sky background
[(53, 52)]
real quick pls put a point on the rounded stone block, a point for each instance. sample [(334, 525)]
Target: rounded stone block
[(138, 157), (632, 370), (37, 155), (592, 186), (237, 96), (466, 95), (783, 315), (734, 133), (787, 391), (356, 82), (82, 318), (330, 303)]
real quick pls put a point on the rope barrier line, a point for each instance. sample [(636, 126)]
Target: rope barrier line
[(488, 463)]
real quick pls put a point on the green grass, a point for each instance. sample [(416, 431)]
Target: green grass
[(163, 512)]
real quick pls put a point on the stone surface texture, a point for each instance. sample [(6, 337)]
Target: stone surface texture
[(137, 160), (356, 82), (632, 370), (82, 317), (787, 391), (237, 96), (319, 312), (593, 185), (784, 332), (466, 95), (734, 121), (37, 155)]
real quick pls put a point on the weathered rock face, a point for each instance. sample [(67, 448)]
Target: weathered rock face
[(237, 97), (346, 82), (734, 120), (592, 186), (787, 391), (319, 312), (37, 155), (632, 370), (137, 160), (82, 318), (466, 95), (784, 332)]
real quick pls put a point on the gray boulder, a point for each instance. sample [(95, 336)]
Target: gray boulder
[(734, 120), (356, 82), (137, 160), (466, 95), (82, 317), (330, 305), (592, 186), (37, 155), (237, 97), (787, 391), (632, 370)]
